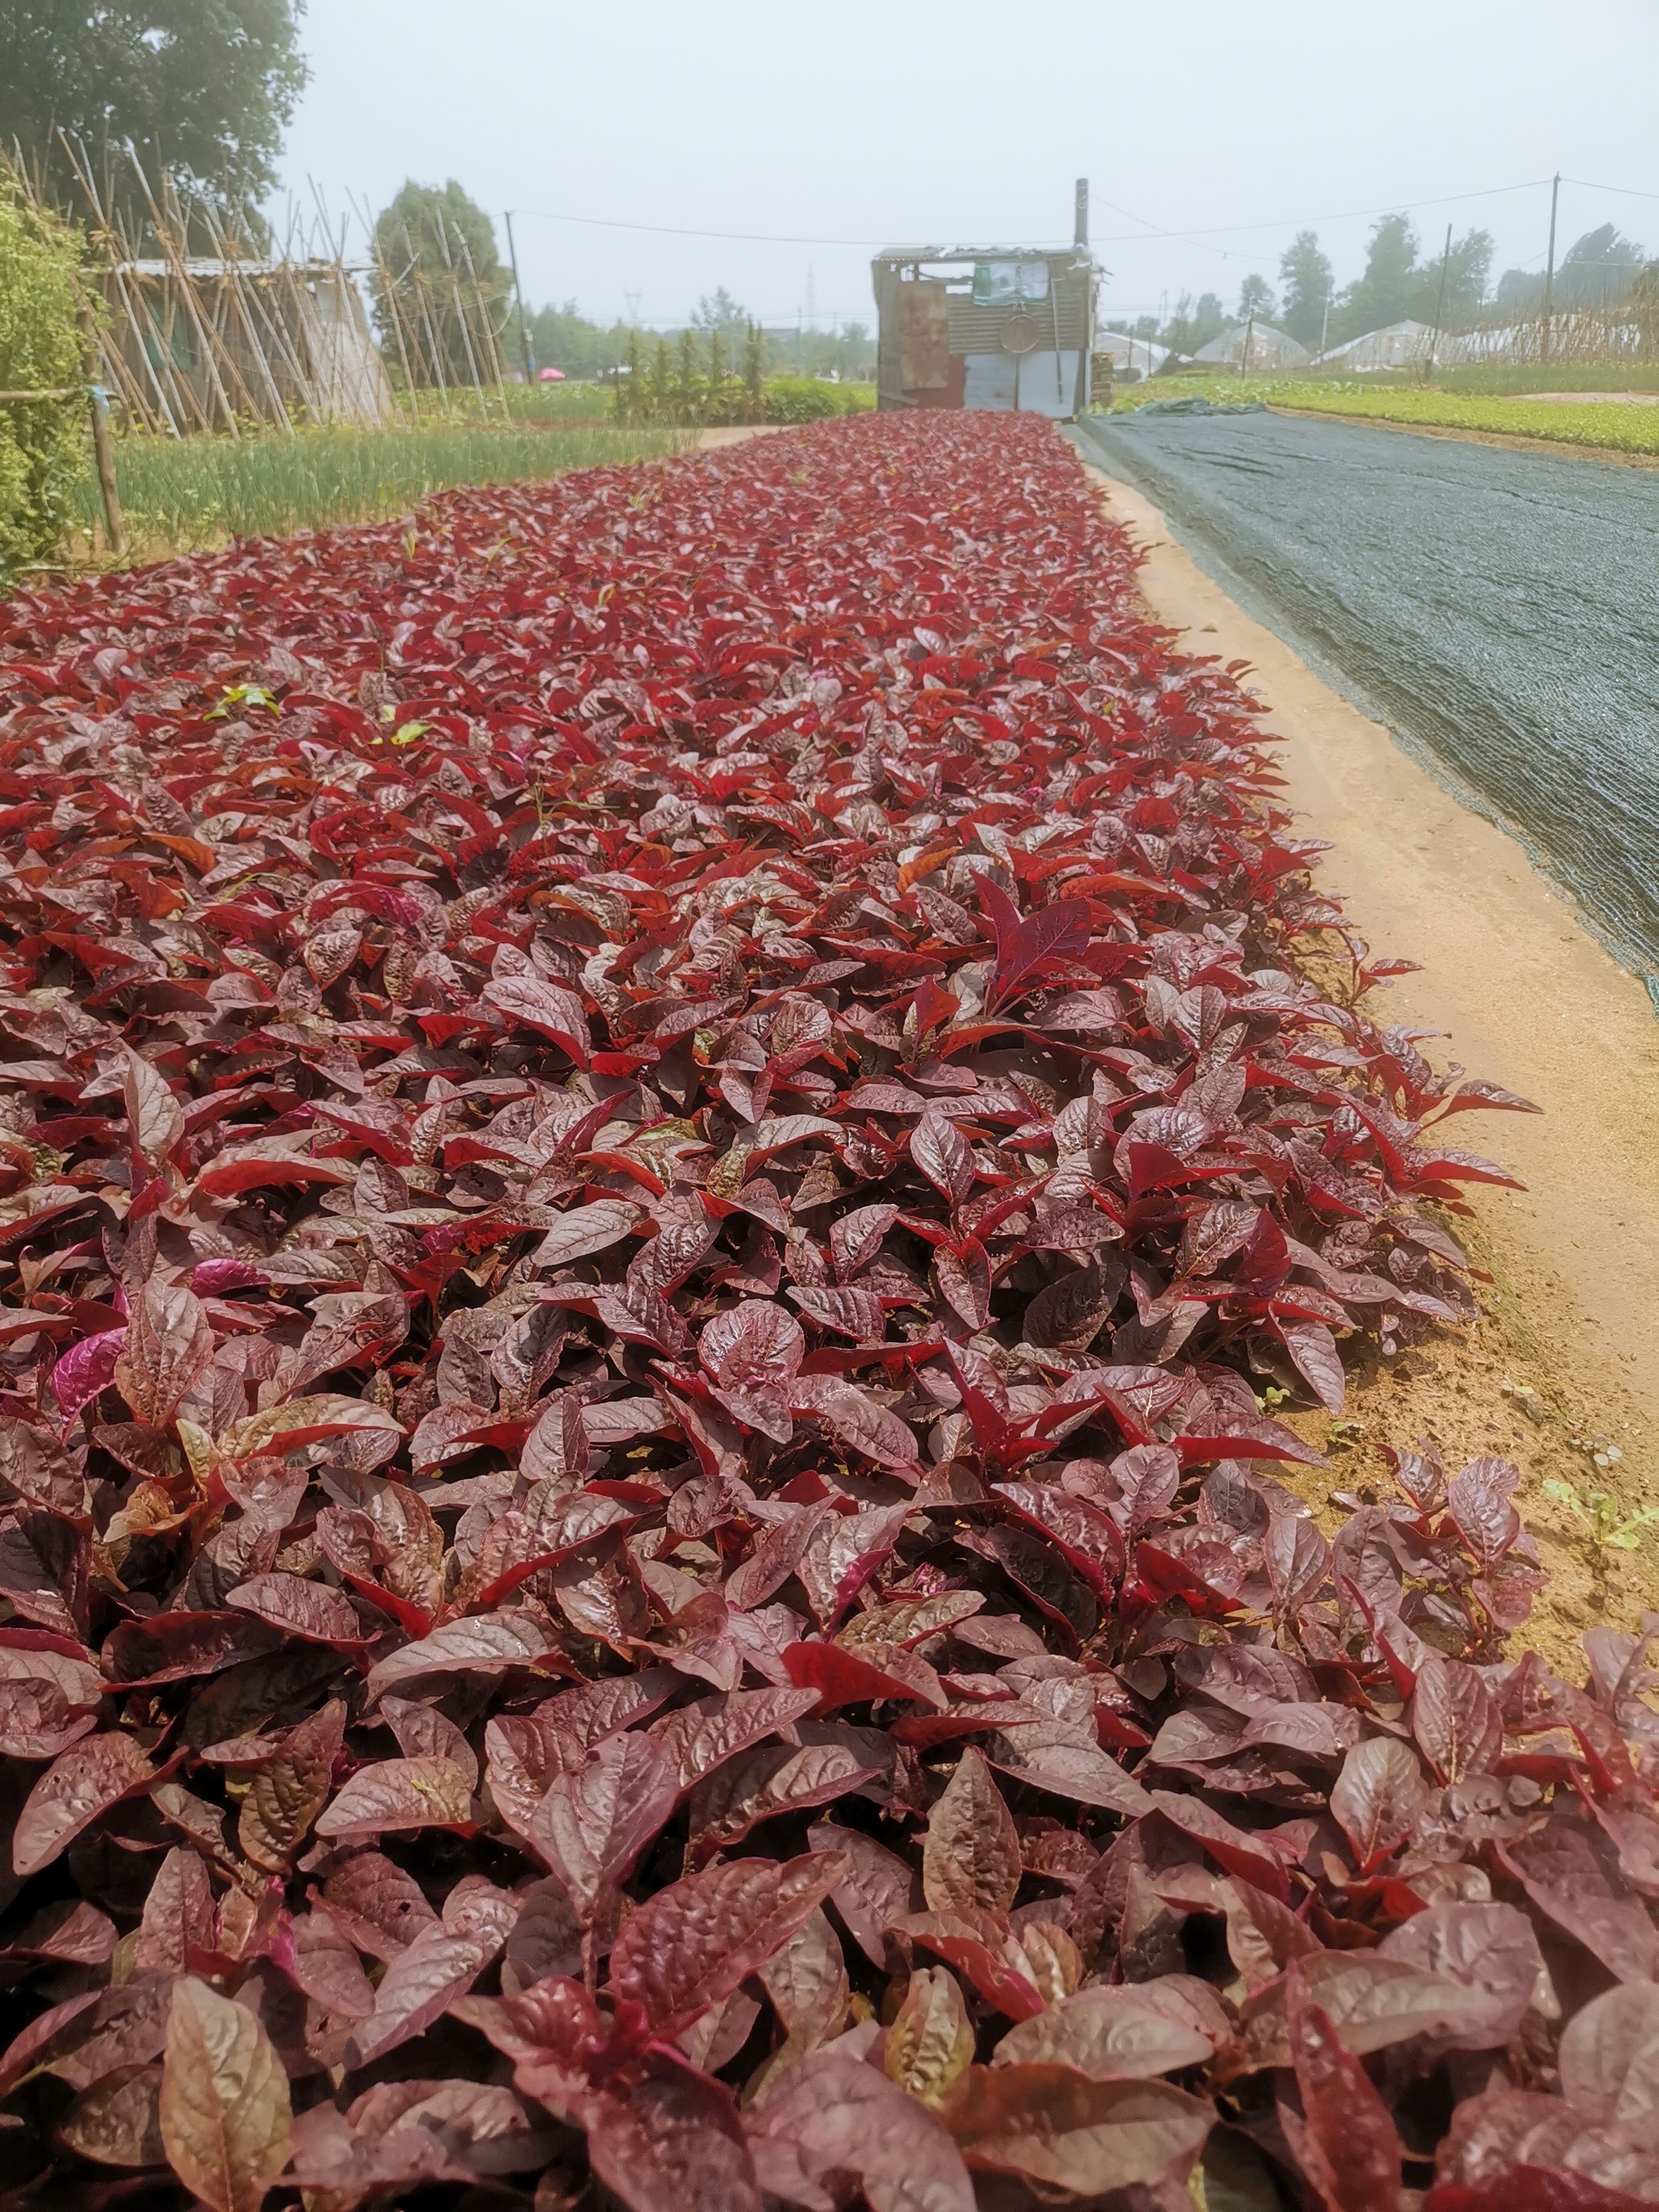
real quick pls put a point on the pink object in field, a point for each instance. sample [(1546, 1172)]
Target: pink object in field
[(549, 376)]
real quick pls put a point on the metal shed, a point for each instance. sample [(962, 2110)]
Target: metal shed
[(987, 326)]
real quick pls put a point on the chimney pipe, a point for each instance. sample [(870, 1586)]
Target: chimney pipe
[(1081, 238)]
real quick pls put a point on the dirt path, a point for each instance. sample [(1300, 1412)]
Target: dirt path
[(733, 433), (1529, 1000)]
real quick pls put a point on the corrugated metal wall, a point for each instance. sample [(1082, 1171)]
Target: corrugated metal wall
[(979, 330)]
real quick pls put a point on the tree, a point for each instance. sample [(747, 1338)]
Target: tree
[(1255, 297), (202, 87), (1386, 291), (1600, 266), (563, 338), (1468, 267), (720, 313), (436, 264), (41, 444), (632, 400), (1306, 275), (1192, 326), (686, 394)]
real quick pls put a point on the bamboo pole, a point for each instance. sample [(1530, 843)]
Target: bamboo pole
[(186, 400), (234, 283), (121, 372), (170, 255), (390, 308), (395, 316), (460, 317), (280, 336), (210, 301), (486, 325), (107, 235), (439, 367), (114, 522)]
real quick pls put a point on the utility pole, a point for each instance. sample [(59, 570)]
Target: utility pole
[(1549, 272), (517, 294), (1440, 304), (1325, 323)]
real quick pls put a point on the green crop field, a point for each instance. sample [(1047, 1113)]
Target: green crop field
[(1612, 425), (1571, 376), (192, 492)]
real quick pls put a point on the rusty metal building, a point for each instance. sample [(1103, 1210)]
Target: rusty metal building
[(994, 326)]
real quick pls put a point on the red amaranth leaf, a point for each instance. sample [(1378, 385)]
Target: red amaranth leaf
[(831, 2115), (688, 1167), (80, 1785), (1054, 2126), (1351, 2148), (692, 1943)]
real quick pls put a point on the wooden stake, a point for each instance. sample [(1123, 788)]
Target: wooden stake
[(114, 524)]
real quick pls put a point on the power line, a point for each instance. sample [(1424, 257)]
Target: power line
[(1628, 191), (679, 230), (1195, 235), (1344, 215)]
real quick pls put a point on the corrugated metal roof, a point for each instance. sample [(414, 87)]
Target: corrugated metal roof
[(201, 266), (970, 253)]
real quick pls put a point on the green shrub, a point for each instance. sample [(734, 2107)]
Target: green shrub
[(808, 399), (41, 442)]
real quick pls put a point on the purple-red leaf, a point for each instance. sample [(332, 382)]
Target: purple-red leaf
[(692, 1943)]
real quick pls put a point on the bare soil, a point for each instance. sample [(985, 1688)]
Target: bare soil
[(733, 433), (1561, 1364)]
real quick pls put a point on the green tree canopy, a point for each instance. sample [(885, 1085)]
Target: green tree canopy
[(1255, 297), (720, 312), (1599, 266), (1192, 325), (1468, 270), (563, 338), (1386, 292), (202, 87), (1307, 278), (436, 262)]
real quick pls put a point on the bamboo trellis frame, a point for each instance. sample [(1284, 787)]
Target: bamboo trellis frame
[(241, 339), (1622, 330)]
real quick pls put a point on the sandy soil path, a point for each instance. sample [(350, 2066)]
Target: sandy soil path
[(1529, 1000), (733, 433)]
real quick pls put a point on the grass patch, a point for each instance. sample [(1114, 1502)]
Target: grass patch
[(1610, 425), (198, 491), (553, 404)]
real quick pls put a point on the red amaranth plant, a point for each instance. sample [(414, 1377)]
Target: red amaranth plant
[(653, 1130)]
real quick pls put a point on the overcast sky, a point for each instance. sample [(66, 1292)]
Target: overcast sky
[(867, 122)]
